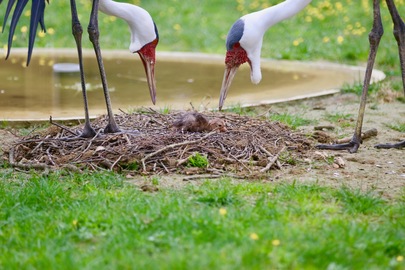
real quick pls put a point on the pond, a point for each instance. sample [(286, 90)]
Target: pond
[(40, 90)]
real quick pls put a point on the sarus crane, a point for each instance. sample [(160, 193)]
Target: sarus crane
[(144, 39)]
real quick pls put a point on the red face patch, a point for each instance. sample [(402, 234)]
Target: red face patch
[(236, 57), (148, 51)]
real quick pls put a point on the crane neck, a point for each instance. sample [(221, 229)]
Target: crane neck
[(282, 11), (140, 22)]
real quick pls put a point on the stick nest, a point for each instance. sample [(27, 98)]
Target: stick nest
[(251, 146)]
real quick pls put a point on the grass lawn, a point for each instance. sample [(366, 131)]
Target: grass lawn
[(98, 220)]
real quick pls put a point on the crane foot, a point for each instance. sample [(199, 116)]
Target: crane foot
[(351, 146), (112, 127), (88, 131), (391, 145)]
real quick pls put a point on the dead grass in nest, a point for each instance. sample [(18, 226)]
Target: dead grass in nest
[(251, 147)]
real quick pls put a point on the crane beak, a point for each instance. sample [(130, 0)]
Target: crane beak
[(149, 66), (147, 55), (226, 83)]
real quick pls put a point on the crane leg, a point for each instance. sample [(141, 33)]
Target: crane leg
[(77, 31), (374, 39), (94, 34), (399, 33)]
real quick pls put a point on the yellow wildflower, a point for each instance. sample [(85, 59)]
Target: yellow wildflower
[(50, 31), (400, 258), (298, 41), (24, 29), (340, 39), (275, 242), (222, 211), (254, 236), (177, 27)]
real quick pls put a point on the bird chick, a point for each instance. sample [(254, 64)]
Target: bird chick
[(197, 122)]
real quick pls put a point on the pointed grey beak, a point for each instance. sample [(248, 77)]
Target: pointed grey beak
[(226, 83)]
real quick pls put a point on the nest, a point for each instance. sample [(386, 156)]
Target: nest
[(251, 146)]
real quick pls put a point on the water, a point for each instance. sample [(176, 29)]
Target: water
[(38, 92)]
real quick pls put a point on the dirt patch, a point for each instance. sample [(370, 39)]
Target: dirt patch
[(249, 146), (370, 169)]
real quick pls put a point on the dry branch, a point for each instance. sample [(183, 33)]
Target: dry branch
[(365, 135), (272, 160)]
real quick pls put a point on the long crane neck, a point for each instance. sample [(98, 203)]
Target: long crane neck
[(139, 21), (121, 10), (275, 14)]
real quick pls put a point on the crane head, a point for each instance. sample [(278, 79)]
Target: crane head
[(236, 55), (147, 54), (234, 58)]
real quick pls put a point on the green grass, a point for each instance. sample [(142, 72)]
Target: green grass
[(91, 221), (336, 117), (240, 110), (342, 119), (293, 121), (357, 88), (398, 127), (198, 160)]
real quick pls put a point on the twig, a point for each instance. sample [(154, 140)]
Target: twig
[(115, 162), (50, 156), (240, 162), (127, 139), (272, 160), (265, 151), (124, 112), (170, 147), (164, 167), (40, 143), (365, 135), (61, 126), (38, 166), (182, 161), (91, 141)]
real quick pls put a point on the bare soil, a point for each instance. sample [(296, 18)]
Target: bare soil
[(370, 169)]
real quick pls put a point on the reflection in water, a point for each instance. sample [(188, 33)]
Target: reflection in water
[(38, 91)]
